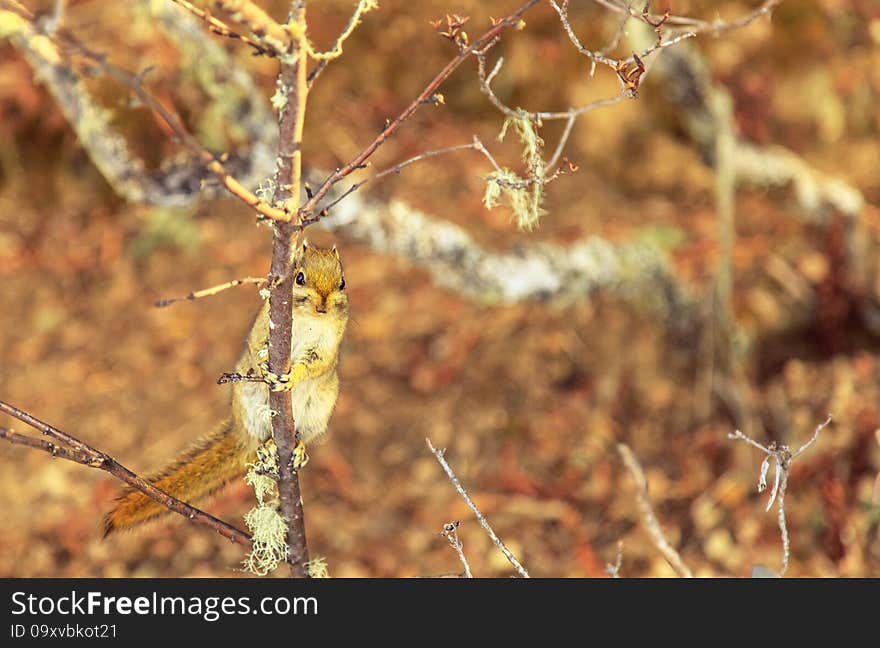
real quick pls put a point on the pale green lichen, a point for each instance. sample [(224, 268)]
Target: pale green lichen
[(526, 130), (10, 24), (317, 568), (279, 99), (262, 472), (524, 195), (267, 526), (266, 190), (269, 536)]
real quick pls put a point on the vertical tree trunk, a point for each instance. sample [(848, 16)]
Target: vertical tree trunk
[(291, 85)]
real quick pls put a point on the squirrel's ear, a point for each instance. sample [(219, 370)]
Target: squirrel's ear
[(305, 245), (335, 251)]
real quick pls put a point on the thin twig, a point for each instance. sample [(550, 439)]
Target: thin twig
[(613, 570), (217, 26), (264, 28), (84, 454), (335, 52), (541, 115), (67, 42), (450, 532), (77, 456), (560, 146), (209, 292), (513, 20), (486, 85), (439, 454), (782, 456), (692, 24), (595, 57), (396, 169), (653, 526)]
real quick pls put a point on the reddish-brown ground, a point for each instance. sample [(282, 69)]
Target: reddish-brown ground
[(529, 399)]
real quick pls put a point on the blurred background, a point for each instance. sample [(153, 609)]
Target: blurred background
[(529, 398)]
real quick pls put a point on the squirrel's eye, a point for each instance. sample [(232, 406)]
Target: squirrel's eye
[(300, 279), (342, 284)]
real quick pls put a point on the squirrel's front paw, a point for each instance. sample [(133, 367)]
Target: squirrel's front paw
[(277, 382), (282, 382), (300, 457)]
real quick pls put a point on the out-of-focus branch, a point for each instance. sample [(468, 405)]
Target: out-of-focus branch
[(108, 150), (650, 520), (52, 54), (686, 79), (687, 82), (691, 24), (441, 459), (266, 30), (636, 271), (613, 569), (217, 26), (73, 449)]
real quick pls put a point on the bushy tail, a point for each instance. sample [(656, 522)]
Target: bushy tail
[(203, 469)]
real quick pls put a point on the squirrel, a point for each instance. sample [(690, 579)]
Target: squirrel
[(320, 315)]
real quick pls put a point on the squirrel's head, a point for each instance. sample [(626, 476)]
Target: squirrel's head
[(318, 282)]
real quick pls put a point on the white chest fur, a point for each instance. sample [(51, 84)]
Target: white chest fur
[(313, 398)]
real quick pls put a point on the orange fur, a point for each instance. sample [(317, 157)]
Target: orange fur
[(203, 469)]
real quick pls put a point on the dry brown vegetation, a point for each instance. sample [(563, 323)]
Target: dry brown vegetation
[(528, 399)]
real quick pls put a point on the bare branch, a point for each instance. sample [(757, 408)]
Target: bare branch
[(595, 57), (217, 26), (265, 29), (782, 456), (77, 456), (292, 85), (650, 520), (439, 454), (513, 20), (692, 24), (613, 570), (75, 450), (486, 85), (324, 58), (736, 434), (209, 292), (396, 169), (486, 88), (450, 532), (65, 43), (563, 140), (797, 453)]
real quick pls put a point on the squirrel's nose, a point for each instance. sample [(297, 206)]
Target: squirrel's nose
[(322, 307)]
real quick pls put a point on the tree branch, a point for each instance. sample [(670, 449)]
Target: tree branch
[(75, 450), (651, 524), (288, 180), (783, 456), (441, 459), (51, 49), (308, 209)]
